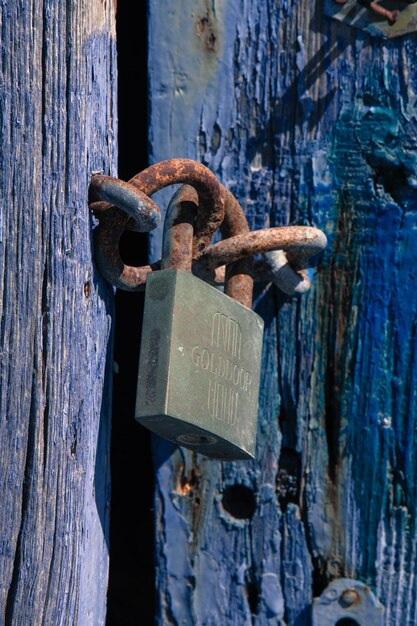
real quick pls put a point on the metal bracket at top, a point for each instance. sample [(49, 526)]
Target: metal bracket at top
[(359, 15), (347, 602)]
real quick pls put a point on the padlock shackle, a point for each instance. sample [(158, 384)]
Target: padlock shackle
[(182, 236), (180, 220)]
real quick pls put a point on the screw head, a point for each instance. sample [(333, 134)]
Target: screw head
[(349, 598)]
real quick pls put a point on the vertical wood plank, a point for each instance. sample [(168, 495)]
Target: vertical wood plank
[(58, 124), (307, 122)]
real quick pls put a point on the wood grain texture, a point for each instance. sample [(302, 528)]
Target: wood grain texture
[(57, 68), (307, 122)]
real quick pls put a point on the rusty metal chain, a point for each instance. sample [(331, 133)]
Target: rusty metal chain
[(125, 202), (296, 246), (196, 211)]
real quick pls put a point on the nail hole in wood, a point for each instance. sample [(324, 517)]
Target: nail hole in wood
[(239, 501)]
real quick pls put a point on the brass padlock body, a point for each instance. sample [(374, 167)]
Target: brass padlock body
[(199, 369)]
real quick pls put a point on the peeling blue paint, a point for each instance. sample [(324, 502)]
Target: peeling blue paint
[(307, 122)]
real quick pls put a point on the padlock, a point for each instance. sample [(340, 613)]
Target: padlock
[(200, 360), (199, 370)]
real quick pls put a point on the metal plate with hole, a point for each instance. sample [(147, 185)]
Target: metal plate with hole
[(347, 602)]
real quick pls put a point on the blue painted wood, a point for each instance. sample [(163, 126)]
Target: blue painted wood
[(306, 121), (57, 103)]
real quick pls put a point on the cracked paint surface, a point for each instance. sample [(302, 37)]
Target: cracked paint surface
[(306, 122)]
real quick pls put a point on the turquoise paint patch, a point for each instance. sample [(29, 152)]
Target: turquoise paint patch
[(373, 261)]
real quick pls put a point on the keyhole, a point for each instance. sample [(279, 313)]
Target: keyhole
[(347, 621)]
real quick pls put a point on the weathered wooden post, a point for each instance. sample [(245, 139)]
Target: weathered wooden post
[(307, 121), (58, 124)]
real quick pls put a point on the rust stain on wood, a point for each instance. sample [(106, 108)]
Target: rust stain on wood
[(205, 29)]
